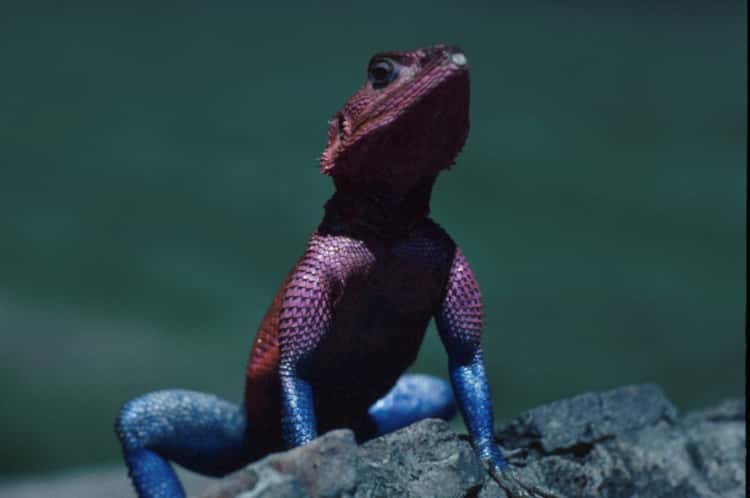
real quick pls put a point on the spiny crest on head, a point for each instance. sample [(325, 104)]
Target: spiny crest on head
[(409, 120)]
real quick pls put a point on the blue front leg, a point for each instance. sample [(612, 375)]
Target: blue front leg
[(298, 424), (304, 319), (459, 322), (470, 385)]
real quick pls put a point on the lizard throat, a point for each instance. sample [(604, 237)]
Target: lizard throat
[(353, 209)]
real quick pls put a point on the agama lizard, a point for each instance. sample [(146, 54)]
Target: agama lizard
[(349, 318)]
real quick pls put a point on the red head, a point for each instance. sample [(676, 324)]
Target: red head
[(407, 123)]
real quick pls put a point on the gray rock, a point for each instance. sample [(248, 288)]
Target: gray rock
[(628, 442), (564, 425), (268, 483), (716, 447), (327, 467), (424, 459)]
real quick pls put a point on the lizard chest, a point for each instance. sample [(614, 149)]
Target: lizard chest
[(381, 311)]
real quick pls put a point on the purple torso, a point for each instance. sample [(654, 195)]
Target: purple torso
[(383, 293)]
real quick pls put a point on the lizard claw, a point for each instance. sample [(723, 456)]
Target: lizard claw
[(514, 487)]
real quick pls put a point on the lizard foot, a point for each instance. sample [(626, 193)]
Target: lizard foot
[(516, 488)]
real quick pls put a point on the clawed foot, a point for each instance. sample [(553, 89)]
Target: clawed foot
[(516, 488)]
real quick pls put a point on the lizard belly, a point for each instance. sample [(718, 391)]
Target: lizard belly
[(375, 336)]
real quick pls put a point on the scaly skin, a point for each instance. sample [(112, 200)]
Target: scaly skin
[(349, 318)]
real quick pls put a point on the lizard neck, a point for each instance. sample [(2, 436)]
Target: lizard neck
[(376, 208)]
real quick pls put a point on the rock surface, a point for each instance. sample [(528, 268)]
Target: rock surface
[(424, 459), (628, 442)]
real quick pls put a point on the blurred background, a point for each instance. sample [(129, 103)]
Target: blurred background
[(158, 178)]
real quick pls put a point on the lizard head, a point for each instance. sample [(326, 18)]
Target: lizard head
[(408, 122)]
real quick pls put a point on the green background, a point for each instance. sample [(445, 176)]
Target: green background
[(158, 177)]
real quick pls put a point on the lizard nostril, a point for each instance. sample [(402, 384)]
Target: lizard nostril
[(458, 58), (455, 55)]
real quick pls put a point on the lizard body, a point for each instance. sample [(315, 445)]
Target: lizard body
[(349, 318), (374, 319)]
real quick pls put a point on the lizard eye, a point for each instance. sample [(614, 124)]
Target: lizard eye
[(381, 72)]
